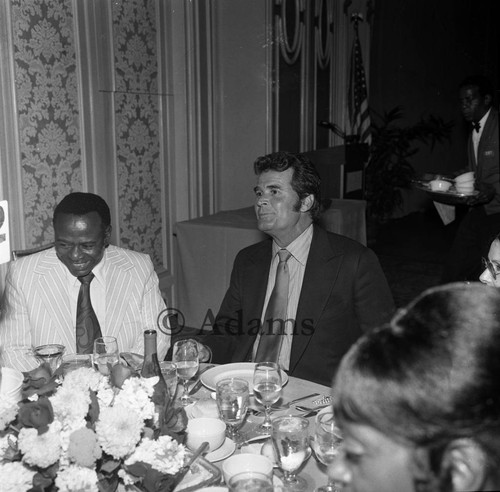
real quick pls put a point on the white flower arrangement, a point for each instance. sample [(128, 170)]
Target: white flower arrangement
[(86, 433)]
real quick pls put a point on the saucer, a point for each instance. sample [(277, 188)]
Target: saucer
[(226, 450)]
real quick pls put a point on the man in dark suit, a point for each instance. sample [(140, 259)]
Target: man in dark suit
[(481, 222), (336, 291)]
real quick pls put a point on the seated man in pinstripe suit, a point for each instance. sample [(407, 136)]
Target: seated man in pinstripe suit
[(41, 300)]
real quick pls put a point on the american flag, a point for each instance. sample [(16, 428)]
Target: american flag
[(358, 93)]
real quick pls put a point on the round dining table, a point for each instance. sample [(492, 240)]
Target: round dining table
[(312, 470)]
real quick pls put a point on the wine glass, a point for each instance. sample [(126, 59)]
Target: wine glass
[(327, 441), (169, 373), (105, 354), (50, 354), (290, 439), (267, 386), (232, 401), (185, 355)]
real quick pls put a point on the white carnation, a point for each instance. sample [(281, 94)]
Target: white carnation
[(136, 394), (15, 477), (77, 479)]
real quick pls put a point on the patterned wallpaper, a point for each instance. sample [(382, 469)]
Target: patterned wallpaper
[(48, 114), (47, 101), (137, 126)]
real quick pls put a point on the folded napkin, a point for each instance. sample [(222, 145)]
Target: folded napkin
[(446, 212)]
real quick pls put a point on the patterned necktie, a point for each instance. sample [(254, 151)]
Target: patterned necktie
[(273, 328), (87, 325)]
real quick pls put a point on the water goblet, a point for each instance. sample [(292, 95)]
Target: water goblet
[(250, 481), (169, 373), (327, 441), (232, 397), (105, 354), (50, 354), (185, 355), (290, 439), (267, 386)]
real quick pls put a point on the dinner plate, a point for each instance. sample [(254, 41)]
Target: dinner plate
[(226, 450), (243, 370)]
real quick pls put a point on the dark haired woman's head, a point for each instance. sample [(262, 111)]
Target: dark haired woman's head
[(305, 179), (423, 394)]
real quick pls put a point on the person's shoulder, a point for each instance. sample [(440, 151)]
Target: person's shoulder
[(255, 249), (339, 242), (34, 262), (116, 254)]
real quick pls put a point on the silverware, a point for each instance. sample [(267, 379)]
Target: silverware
[(182, 472), (198, 383), (284, 406), (311, 413), (300, 408), (252, 439)]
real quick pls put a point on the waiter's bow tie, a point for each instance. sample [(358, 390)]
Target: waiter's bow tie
[(476, 125)]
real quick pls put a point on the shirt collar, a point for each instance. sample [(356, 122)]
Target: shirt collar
[(299, 247), (99, 272)]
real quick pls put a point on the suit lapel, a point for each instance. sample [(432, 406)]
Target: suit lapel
[(320, 277), (118, 281), (51, 288)]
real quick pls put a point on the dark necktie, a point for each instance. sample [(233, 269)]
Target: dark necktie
[(87, 325), (273, 327), (476, 126)]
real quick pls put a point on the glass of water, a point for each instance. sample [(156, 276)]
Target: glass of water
[(267, 385), (51, 354), (185, 355), (105, 354), (232, 397), (169, 373)]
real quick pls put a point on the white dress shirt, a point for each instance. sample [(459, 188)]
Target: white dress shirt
[(97, 292), (476, 135), (299, 249)]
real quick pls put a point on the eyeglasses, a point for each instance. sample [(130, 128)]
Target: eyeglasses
[(491, 268)]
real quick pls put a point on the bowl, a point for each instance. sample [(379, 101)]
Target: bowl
[(206, 429), (11, 383), (465, 177), (440, 185), (246, 462)]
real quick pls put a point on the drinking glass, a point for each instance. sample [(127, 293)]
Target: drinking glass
[(105, 354), (70, 362), (232, 399), (250, 481), (51, 354), (185, 355), (327, 441), (290, 439), (267, 386), (169, 373)]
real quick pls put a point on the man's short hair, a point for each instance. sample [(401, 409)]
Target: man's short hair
[(79, 203), (483, 84), (305, 180)]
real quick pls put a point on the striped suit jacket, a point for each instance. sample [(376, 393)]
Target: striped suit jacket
[(36, 311)]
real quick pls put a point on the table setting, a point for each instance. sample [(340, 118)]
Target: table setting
[(93, 421)]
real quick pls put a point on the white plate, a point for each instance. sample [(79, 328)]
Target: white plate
[(243, 370), (226, 450)]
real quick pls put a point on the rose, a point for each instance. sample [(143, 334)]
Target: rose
[(119, 374), (37, 414)]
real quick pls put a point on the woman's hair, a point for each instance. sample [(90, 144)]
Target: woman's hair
[(305, 180), (432, 375)]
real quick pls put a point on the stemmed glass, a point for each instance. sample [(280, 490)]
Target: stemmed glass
[(327, 441), (232, 400), (267, 386), (50, 354), (185, 355), (290, 439), (105, 354)]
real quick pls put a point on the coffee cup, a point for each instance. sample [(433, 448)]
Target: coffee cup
[(205, 429)]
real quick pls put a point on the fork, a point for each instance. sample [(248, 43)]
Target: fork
[(284, 406)]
